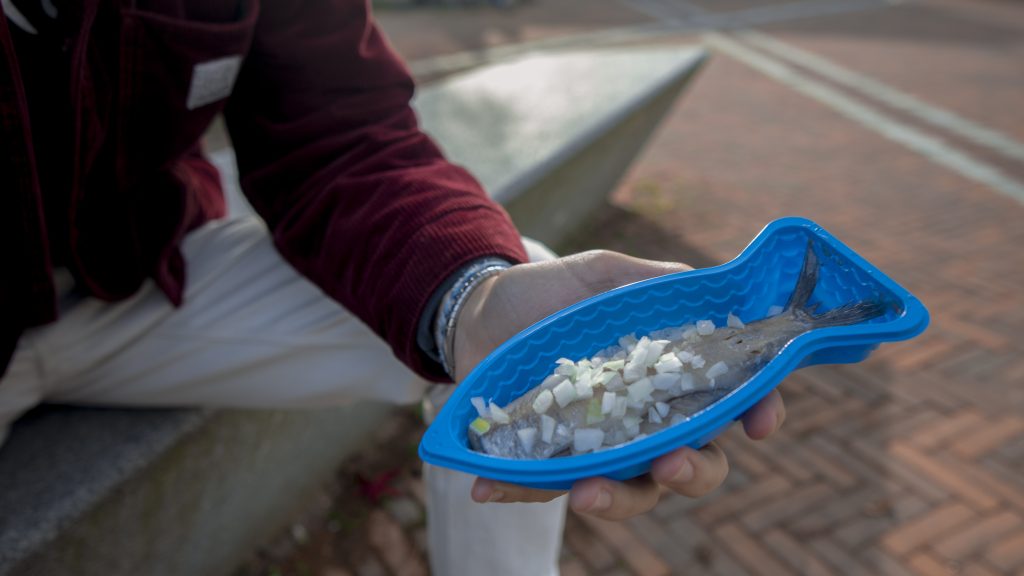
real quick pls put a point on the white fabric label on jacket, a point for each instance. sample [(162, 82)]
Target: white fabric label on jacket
[(213, 81)]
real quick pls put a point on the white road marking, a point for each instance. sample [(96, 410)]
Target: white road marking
[(927, 145), (934, 115), (689, 18)]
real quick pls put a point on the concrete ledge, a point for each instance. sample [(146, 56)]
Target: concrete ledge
[(162, 492), (157, 492), (549, 135)]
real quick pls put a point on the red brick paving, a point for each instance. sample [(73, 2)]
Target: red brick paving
[(911, 462)]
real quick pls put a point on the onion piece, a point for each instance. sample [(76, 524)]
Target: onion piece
[(567, 370), (665, 382), (480, 426), (608, 402), (615, 383), (480, 404), (734, 321), (583, 386), (653, 416), (621, 404), (552, 381), (543, 401), (686, 383), (705, 327), (613, 365), (587, 439), (697, 361), (594, 413), (632, 425), (628, 342), (564, 393), (662, 409), (498, 415), (716, 370), (668, 363), (547, 428), (604, 378), (640, 391), (654, 351), (635, 369), (527, 437)]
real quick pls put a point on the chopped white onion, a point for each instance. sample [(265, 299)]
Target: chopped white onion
[(639, 352), (527, 436), (654, 351), (564, 393), (690, 334), (668, 363), (543, 401), (553, 380), (677, 418), (565, 362), (480, 404), (734, 321), (614, 365), (697, 362), (567, 370), (716, 370), (662, 409), (497, 414), (632, 425), (608, 402), (583, 390), (686, 383), (615, 384), (628, 342), (640, 391), (653, 416), (685, 356), (604, 378), (705, 327), (665, 382), (621, 404), (587, 439), (635, 369), (547, 428)]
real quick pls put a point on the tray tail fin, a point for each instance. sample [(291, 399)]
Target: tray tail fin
[(844, 315)]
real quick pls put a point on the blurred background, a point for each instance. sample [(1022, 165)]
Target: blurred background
[(898, 126)]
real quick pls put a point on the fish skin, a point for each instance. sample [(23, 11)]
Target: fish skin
[(745, 351)]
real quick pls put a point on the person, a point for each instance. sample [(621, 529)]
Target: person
[(375, 265)]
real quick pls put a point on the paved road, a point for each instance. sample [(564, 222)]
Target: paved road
[(897, 125)]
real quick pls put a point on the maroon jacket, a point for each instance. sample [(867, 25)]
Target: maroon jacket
[(356, 197)]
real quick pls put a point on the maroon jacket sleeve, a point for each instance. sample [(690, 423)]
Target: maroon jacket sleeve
[(356, 197)]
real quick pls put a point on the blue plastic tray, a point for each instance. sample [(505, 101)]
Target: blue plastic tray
[(763, 276)]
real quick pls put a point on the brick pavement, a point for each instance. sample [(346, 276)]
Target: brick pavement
[(909, 463)]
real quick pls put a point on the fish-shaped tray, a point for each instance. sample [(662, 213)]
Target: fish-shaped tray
[(760, 279)]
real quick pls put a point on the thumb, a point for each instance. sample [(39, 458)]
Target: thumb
[(602, 270)]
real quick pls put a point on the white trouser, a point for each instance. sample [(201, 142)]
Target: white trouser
[(253, 333)]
